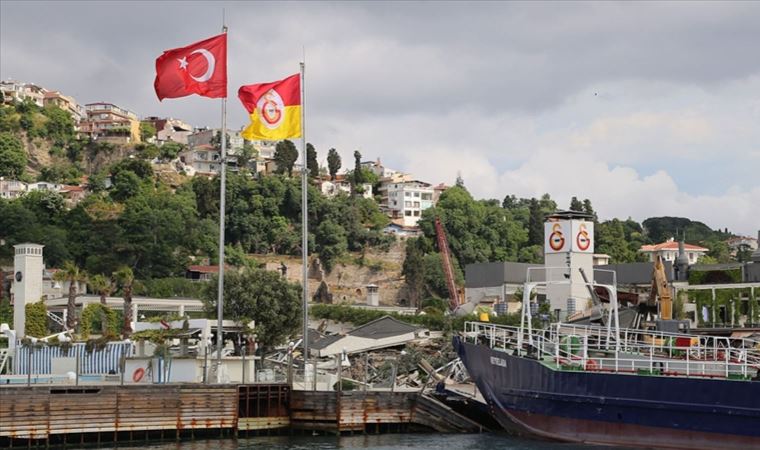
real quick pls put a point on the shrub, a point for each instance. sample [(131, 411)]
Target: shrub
[(36, 323)]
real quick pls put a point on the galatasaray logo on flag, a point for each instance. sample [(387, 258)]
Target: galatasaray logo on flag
[(274, 108)]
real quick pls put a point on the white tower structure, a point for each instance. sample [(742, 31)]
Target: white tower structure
[(568, 247), (27, 281)]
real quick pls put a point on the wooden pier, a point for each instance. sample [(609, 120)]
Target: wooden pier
[(54, 415)]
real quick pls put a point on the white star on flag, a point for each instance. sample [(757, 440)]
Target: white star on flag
[(182, 62)]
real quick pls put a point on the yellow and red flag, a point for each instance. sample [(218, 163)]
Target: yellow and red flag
[(275, 109)]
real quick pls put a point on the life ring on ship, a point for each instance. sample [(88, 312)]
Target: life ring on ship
[(138, 374), (591, 365)]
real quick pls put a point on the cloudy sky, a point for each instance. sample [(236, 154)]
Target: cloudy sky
[(647, 109)]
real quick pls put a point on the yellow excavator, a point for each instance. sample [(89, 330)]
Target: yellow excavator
[(661, 289)]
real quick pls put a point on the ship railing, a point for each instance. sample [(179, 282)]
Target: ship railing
[(587, 348)]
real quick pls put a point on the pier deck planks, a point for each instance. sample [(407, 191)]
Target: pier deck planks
[(38, 412)]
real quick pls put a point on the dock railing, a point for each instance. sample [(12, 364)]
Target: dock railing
[(588, 348)]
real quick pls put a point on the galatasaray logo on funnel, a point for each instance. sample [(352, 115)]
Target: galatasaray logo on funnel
[(271, 109), (556, 238), (582, 239)]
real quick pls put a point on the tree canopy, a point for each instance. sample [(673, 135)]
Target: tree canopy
[(285, 156), (262, 296), (333, 162)]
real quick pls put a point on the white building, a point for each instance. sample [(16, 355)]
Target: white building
[(407, 199), (169, 129), (331, 188), (16, 91), (44, 186), (669, 251), (741, 243), (378, 169), (264, 155), (11, 189), (66, 103), (202, 157)]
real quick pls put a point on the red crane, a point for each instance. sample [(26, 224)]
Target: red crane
[(448, 269)]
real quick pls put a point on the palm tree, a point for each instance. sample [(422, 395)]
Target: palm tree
[(125, 278), (71, 273), (102, 286)]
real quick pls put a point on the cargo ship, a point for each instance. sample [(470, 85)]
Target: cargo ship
[(614, 386)]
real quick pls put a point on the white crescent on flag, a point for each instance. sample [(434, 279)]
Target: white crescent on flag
[(211, 63)]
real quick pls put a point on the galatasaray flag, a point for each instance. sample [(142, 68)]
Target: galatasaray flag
[(275, 109)]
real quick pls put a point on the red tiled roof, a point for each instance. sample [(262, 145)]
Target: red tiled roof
[(671, 245)]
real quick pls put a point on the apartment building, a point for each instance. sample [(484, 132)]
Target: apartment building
[(110, 123), (169, 129), (331, 188), (407, 199), (16, 92), (202, 156), (66, 103), (11, 189)]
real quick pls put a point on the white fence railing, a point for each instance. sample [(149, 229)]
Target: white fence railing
[(592, 349)]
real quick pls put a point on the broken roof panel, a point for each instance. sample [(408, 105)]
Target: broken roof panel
[(383, 327)]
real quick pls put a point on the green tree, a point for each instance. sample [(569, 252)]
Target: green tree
[(588, 209), (330, 243), (6, 309), (311, 161), (126, 184), (36, 319), (70, 273), (125, 280), (147, 131), (148, 151), (333, 162), (170, 150), (575, 204), (59, 126), (477, 230), (142, 169), (161, 229), (216, 141), (285, 156), (12, 156), (611, 239), (261, 296), (413, 271), (102, 286), (536, 225), (246, 155), (357, 174)]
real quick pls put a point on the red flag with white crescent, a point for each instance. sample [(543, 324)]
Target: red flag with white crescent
[(199, 68)]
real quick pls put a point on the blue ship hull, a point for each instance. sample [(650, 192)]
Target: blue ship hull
[(527, 397)]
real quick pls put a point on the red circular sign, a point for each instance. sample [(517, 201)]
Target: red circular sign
[(583, 240), (556, 238)]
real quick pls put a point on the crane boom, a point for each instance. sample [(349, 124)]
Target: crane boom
[(448, 269)]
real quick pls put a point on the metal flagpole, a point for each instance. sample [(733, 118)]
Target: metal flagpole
[(222, 195), (304, 223)]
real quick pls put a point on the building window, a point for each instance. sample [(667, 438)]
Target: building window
[(408, 213), (416, 213), (427, 196), (407, 194), (408, 204), (416, 194), (416, 204)]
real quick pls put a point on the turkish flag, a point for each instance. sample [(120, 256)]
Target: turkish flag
[(199, 68)]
